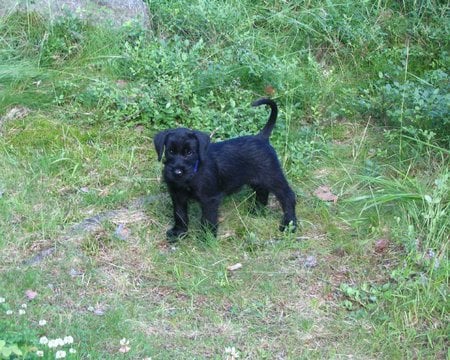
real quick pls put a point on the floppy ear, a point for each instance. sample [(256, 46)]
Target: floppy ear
[(203, 142), (159, 140)]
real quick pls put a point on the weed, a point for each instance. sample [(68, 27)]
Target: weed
[(425, 103), (23, 337)]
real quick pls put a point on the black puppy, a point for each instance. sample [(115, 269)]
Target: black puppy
[(196, 169)]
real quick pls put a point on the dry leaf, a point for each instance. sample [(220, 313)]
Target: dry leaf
[(269, 90), (234, 267), (227, 234), (324, 193), (381, 245)]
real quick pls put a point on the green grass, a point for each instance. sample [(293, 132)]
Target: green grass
[(362, 90)]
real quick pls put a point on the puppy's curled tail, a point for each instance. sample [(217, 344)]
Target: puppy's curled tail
[(267, 130)]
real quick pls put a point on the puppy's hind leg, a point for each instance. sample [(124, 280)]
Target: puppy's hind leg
[(261, 199), (286, 197)]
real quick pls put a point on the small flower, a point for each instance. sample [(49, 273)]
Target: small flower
[(39, 353), (42, 322), (68, 340), (52, 344), (22, 312), (23, 306), (9, 312), (43, 340), (124, 349), (2, 300), (60, 354), (124, 345), (72, 351), (55, 343), (30, 294), (232, 353)]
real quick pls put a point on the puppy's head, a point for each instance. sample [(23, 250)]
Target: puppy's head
[(184, 151)]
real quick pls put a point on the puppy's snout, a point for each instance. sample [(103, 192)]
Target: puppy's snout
[(178, 172)]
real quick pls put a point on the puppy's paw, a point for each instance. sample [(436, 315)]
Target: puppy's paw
[(291, 226), (174, 234)]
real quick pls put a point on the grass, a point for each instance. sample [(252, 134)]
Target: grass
[(364, 277)]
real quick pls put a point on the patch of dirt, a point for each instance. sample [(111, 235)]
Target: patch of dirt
[(94, 225), (15, 113)]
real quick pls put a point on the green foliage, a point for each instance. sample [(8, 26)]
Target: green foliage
[(9, 350), (367, 296), (419, 104)]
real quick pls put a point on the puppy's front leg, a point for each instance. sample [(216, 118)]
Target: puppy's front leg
[(210, 213), (180, 214)]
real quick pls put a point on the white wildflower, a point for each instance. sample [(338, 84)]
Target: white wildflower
[(52, 344), (232, 353), (2, 300), (60, 342), (42, 322), (9, 312), (68, 340), (39, 353), (43, 340), (23, 306), (22, 312), (72, 351), (124, 348), (60, 354)]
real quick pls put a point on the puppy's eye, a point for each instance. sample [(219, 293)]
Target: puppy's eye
[(188, 153), (171, 151)]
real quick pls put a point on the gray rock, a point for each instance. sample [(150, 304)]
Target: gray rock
[(106, 12)]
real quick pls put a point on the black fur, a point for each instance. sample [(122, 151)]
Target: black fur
[(196, 169)]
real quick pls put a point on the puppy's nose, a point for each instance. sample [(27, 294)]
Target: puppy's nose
[(178, 172)]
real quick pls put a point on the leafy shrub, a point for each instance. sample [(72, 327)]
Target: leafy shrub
[(417, 103)]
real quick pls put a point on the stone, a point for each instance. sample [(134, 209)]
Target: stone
[(106, 12)]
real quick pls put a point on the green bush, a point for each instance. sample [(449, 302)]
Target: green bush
[(415, 103)]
